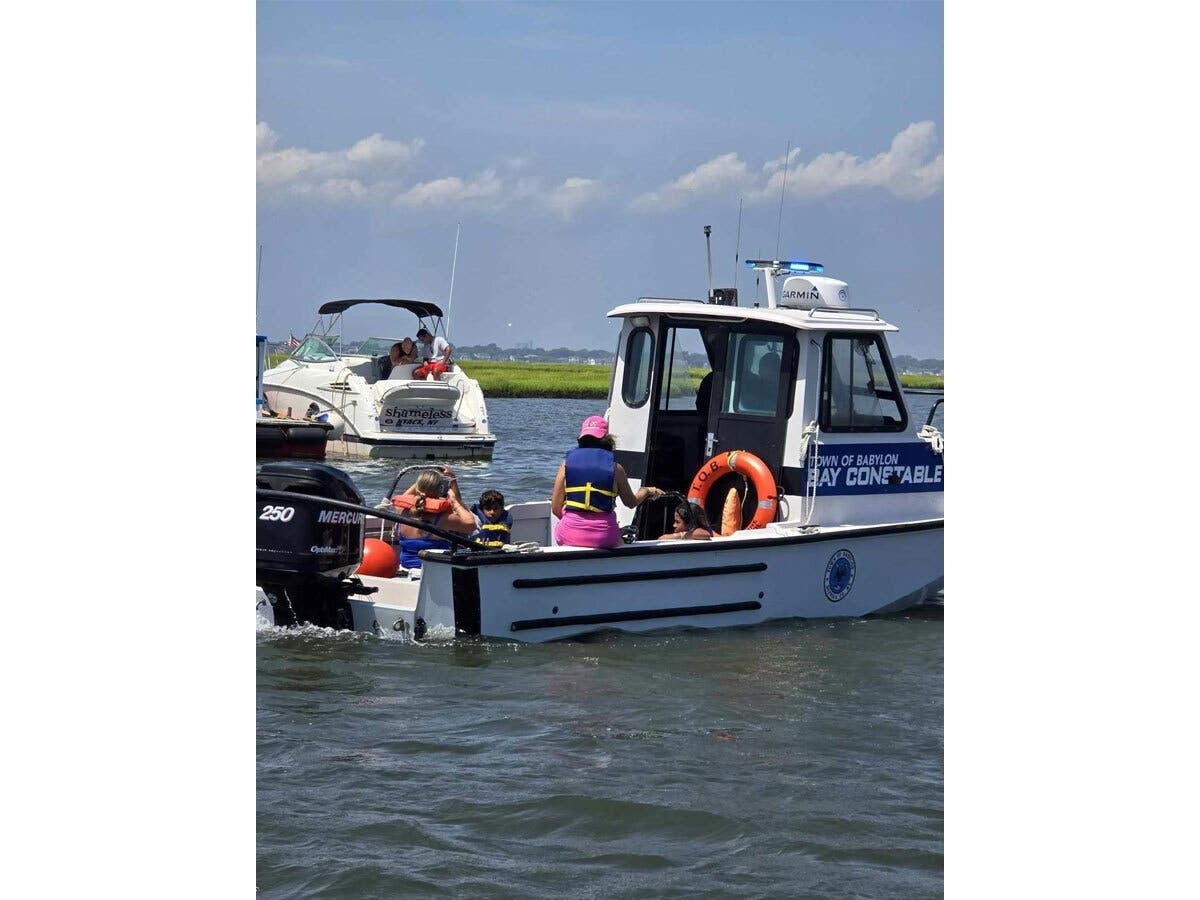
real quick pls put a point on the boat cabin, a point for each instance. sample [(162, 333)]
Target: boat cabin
[(805, 383)]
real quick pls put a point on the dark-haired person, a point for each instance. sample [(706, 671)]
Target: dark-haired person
[(586, 487), (691, 523), (493, 520), (436, 355)]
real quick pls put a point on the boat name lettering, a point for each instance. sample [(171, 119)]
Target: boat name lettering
[(338, 517), (831, 476), (394, 413)]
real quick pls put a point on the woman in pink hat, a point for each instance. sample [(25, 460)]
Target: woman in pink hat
[(586, 487)]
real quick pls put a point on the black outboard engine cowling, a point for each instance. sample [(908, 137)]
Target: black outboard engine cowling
[(306, 550)]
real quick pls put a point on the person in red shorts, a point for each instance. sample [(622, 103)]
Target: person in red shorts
[(437, 355)]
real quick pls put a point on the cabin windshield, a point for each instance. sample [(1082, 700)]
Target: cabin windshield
[(859, 390), (314, 350)]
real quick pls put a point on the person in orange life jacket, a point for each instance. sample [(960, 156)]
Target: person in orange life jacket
[(586, 487), (441, 488), (690, 523), (437, 355), (493, 520)]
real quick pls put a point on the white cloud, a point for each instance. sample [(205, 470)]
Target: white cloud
[(486, 190), (367, 169), (908, 169), (378, 170), (573, 195), (725, 173), (265, 138)]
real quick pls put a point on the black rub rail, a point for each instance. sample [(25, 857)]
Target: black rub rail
[(571, 580), (634, 615)]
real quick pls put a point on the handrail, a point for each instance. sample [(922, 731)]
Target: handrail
[(837, 310), (933, 409)]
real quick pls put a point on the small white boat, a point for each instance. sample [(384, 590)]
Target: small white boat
[(801, 412), (283, 437), (398, 416)]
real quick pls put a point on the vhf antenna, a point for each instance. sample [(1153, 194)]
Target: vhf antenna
[(708, 246), (779, 233), (738, 250)]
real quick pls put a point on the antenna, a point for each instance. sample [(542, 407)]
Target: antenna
[(258, 278), (738, 250), (453, 266), (779, 233), (708, 246)]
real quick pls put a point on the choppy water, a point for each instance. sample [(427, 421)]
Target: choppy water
[(798, 759)]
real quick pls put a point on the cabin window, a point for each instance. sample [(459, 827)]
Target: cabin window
[(685, 364), (859, 390), (638, 352), (752, 377)]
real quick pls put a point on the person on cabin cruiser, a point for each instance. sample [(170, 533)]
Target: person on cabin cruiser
[(493, 520), (691, 523), (586, 487), (408, 352), (434, 499), (436, 353)]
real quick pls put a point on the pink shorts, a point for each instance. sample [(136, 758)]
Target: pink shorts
[(579, 529)]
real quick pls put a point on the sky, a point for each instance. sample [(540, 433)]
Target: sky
[(582, 148)]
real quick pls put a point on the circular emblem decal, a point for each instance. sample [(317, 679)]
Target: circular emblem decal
[(842, 295), (839, 575)]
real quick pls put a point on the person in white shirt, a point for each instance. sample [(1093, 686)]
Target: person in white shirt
[(436, 353)]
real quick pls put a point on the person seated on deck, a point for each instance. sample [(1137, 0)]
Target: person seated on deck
[(436, 353), (586, 487), (691, 523), (493, 520), (435, 500), (404, 353)]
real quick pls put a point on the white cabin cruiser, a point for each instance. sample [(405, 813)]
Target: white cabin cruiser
[(377, 410), (796, 406)]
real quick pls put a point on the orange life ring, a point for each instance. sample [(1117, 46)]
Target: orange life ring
[(433, 505), (744, 463)]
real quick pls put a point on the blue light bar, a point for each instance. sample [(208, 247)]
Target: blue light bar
[(790, 265)]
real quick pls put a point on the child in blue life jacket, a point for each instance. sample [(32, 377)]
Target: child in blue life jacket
[(494, 521)]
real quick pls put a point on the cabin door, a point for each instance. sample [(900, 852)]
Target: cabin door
[(754, 378)]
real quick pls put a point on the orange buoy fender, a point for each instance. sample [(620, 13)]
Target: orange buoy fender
[(731, 513), (743, 463), (379, 559)]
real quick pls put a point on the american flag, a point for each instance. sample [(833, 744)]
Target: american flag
[(293, 341)]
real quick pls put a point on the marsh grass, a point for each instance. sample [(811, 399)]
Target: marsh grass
[(572, 380)]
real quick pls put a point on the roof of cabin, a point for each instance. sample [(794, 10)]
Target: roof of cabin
[(822, 318)]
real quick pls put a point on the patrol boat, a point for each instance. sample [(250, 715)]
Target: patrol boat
[(789, 416), (375, 410)]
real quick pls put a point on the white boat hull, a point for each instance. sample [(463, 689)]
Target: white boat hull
[(747, 579), (399, 418)]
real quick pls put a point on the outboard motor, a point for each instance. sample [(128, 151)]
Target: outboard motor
[(306, 550)]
